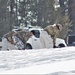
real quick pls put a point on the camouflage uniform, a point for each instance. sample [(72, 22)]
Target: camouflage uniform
[(54, 31), (8, 36), (23, 36), (18, 38)]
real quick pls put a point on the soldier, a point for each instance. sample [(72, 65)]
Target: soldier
[(54, 31), (15, 40)]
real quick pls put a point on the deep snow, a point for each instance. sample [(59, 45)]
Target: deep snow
[(51, 61)]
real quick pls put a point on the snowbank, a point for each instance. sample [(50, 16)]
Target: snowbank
[(41, 61)]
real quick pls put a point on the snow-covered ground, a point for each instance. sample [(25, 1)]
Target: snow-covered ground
[(58, 61)]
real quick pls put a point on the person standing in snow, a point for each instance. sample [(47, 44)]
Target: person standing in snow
[(54, 31)]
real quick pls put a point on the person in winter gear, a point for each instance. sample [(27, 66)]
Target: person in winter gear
[(54, 31), (15, 40)]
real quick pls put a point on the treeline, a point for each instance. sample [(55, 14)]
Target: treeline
[(32, 12)]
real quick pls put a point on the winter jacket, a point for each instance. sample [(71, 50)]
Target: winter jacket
[(18, 38), (54, 31), (8, 36)]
